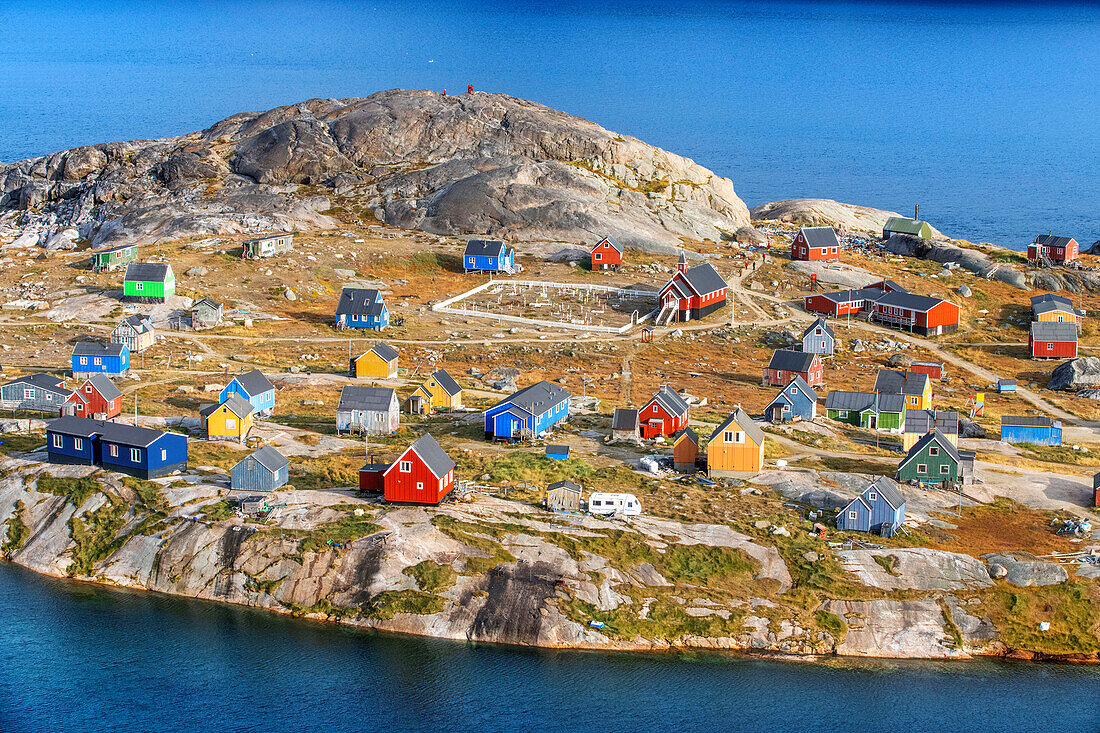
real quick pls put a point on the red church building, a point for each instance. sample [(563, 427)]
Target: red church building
[(815, 243), (693, 292), (97, 398), (664, 414), (607, 255), (423, 474)]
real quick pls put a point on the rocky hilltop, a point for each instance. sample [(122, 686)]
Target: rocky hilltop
[(824, 213), (481, 164)]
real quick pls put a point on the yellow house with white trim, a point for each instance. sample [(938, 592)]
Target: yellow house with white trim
[(231, 419)]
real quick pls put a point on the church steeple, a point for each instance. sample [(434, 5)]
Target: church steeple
[(682, 263)]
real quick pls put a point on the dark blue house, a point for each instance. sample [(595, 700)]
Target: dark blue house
[(140, 452), (879, 509), (91, 357), (1031, 429), (265, 470), (361, 308), (527, 413), (797, 399), (254, 387), (483, 255)]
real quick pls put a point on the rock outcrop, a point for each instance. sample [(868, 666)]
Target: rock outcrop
[(1026, 572), (1076, 374), (824, 213), (485, 164), (915, 568), (977, 262)]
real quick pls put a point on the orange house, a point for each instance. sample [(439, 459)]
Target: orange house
[(736, 446), (685, 449)]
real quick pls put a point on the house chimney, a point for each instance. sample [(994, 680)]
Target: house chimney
[(916, 213)]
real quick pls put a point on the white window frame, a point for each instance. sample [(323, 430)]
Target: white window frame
[(419, 485), (405, 467), (872, 496), (842, 413), (945, 470), (853, 515), (135, 455), (113, 450), (78, 444), (139, 286), (58, 441), (727, 436), (934, 451), (922, 468), (739, 437), (230, 423), (28, 393), (163, 454)]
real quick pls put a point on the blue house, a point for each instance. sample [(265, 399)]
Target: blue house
[(361, 308), (819, 338), (797, 399), (879, 509), (265, 470), (483, 255), (254, 387), (1031, 429), (527, 413), (90, 357), (140, 452)]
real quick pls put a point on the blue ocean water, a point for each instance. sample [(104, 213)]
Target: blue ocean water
[(986, 114), (76, 657)]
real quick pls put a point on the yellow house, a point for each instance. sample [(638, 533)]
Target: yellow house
[(419, 402), (736, 445), (915, 386), (231, 419), (1051, 308), (380, 362), (439, 392), (919, 423)]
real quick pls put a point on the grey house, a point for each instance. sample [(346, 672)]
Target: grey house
[(879, 509), (818, 338), (38, 392), (205, 313), (269, 246), (265, 470), (563, 496), (135, 333), (368, 410)]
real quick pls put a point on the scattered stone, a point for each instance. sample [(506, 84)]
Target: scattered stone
[(964, 290), (1028, 572), (1076, 374)]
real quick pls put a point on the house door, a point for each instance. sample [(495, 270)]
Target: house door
[(777, 413), (872, 422)]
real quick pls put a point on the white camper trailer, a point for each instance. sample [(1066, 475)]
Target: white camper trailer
[(611, 503)]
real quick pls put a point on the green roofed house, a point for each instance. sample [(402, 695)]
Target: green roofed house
[(869, 410), (934, 460), (111, 259), (149, 282), (905, 225)]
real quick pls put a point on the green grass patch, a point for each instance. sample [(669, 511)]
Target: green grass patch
[(473, 535), (18, 531), (1072, 608), (20, 443), (148, 493), (76, 490), (217, 511), (432, 577), (712, 566), (390, 602), (323, 606), (345, 529), (887, 563), (96, 535), (832, 624)]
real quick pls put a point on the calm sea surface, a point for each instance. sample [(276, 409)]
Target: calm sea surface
[(74, 657), (987, 114)]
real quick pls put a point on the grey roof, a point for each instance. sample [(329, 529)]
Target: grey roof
[(254, 382), (888, 284), (1052, 240), (934, 437), (691, 434), (673, 403), (94, 348), (237, 404), (119, 248), (566, 484), (438, 462), (923, 421), (265, 237), (359, 302), (1048, 306), (140, 322), (361, 397), (484, 248), (387, 352), (537, 398), (206, 301), (148, 271), (113, 432), (553, 450), (704, 278), (909, 301), (104, 386), (820, 236), (447, 382), (610, 240), (744, 422), (862, 401), (887, 488), (42, 381), (269, 458), (803, 387), (1054, 331), (1029, 421), (624, 419), (909, 383), (1051, 298), (847, 296), (929, 363), (791, 361), (819, 323), (1006, 382)]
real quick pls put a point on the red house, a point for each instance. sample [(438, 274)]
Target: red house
[(692, 293), (607, 254), (934, 369), (664, 414), (815, 243), (423, 474), (916, 313), (371, 477), (1058, 250), (97, 398), (850, 302), (785, 365), (1052, 340)]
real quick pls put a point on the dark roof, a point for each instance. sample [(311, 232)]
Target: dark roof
[(744, 422), (610, 240), (847, 296), (43, 381), (861, 401), (1051, 298), (269, 458), (387, 352), (148, 271), (484, 248), (673, 403), (359, 302), (685, 432), (556, 450), (887, 284), (819, 323), (140, 322), (1029, 421), (1051, 240), (438, 462), (566, 484), (887, 488), (94, 348), (909, 301), (923, 421), (104, 386), (1047, 306), (624, 419), (704, 278), (1054, 331), (934, 437), (1006, 382), (447, 382), (254, 382), (891, 382), (238, 405), (538, 398), (791, 361), (361, 397), (119, 248), (820, 236), (206, 301), (265, 237), (112, 432)]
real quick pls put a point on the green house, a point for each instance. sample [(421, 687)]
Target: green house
[(867, 409), (149, 282), (934, 460), (905, 225), (114, 258)]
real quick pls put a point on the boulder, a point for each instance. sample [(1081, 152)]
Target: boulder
[(62, 240), (1082, 372), (900, 360), (964, 290), (1028, 572), (749, 235), (970, 429)]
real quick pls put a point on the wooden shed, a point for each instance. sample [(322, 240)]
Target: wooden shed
[(685, 450), (563, 496), (423, 474), (265, 470), (205, 313)]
